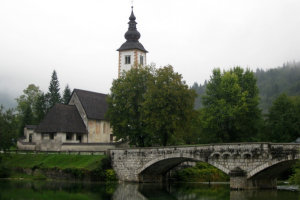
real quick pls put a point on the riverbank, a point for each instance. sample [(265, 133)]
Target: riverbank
[(56, 167)]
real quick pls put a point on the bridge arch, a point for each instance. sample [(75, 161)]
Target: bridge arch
[(272, 168), (161, 165)]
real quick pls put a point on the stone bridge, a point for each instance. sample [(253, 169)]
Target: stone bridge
[(249, 165)]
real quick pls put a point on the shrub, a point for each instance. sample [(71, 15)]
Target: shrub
[(110, 175), (202, 172)]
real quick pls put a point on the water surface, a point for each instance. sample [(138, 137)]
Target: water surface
[(44, 190)]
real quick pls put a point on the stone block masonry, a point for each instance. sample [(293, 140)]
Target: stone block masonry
[(249, 165)]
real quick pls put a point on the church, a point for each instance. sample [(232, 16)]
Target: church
[(81, 125)]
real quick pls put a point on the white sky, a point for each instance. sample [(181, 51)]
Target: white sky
[(79, 38)]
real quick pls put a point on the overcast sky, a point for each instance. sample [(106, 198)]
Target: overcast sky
[(79, 38)]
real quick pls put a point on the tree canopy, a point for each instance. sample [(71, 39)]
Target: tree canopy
[(283, 120), (230, 112), (147, 106)]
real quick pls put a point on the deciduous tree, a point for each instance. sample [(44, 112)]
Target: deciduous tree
[(149, 106), (283, 120), (231, 112)]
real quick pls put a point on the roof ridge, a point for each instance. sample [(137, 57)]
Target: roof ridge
[(75, 89)]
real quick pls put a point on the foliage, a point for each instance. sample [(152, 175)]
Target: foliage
[(8, 128), (97, 167), (28, 98), (125, 106), (66, 95), (27, 110), (54, 95), (200, 91), (110, 175), (230, 112), (271, 83), (168, 105), (295, 178), (202, 172), (283, 120), (41, 106), (148, 106)]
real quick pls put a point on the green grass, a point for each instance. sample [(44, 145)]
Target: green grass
[(59, 161)]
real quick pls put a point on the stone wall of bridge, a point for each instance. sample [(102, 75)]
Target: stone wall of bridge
[(243, 162)]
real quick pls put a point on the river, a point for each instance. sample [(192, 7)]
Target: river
[(46, 190)]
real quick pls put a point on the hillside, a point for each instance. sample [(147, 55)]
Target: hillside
[(271, 83)]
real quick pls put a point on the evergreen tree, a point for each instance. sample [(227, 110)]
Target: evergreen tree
[(40, 107), (54, 95), (67, 95)]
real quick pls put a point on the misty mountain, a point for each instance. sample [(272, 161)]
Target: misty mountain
[(271, 83)]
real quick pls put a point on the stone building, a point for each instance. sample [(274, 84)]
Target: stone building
[(78, 126)]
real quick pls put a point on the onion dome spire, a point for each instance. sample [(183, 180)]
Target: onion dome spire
[(132, 36)]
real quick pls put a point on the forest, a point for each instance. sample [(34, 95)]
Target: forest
[(271, 83)]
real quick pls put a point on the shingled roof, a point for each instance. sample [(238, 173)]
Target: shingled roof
[(62, 118), (93, 103)]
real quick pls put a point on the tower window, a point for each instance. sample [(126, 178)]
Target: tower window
[(141, 60), (127, 59)]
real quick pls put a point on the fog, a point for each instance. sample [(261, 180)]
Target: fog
[(79, 38)]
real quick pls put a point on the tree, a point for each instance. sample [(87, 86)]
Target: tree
[(125, 106), (168, 105), (148, 106), (28, 98), (27, 111), (67, 95), (8, 128), (231, 112), (283, 120), (54, 95), (40, 107)]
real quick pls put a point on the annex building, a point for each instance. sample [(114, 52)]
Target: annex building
[(81, 125)]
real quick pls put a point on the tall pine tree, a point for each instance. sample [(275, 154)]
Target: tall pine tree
[(54, 95), (66, 95)]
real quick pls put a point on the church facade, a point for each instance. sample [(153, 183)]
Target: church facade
[(81, 125)]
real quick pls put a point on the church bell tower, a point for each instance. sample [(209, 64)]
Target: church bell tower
[(131, 53)]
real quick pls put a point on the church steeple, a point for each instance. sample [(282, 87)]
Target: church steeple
[(132, 36), (131, 53)]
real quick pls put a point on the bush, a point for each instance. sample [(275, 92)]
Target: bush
[(295, 178), (110, 175), (202, 172)]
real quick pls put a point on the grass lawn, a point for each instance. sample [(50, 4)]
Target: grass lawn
[(60, 161)]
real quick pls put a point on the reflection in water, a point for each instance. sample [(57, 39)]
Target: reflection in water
[(18, 190)]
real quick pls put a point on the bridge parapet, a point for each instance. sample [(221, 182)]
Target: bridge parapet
[(242, 161)]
